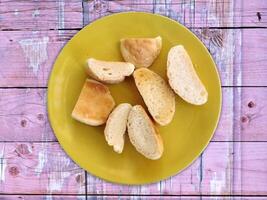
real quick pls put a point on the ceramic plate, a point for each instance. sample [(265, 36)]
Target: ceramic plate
[(184, 139)]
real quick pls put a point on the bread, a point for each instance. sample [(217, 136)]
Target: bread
[(116, 126), (143, 135), (157, 95), (140, 51), (94, 104), (107, 71), (183, 78)]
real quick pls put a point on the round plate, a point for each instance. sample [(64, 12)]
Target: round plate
[(184, 139)]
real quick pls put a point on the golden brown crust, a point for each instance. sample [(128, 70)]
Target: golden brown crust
[(140, 51), (94, 104)]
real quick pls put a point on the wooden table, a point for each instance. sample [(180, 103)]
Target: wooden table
[(33, 165)]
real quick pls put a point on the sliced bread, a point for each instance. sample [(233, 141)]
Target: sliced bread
[(94, 104), (116, 126), (141, 51), (183, 78), (109, 71), (158, 96), (143, 134)]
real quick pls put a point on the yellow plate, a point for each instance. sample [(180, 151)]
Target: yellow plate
[(184, 139)]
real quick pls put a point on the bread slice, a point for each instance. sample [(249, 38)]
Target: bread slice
[(141, 51), (157, 94), (143, 135), (183, 78), (94, 104), (108, 71), (116, 126)]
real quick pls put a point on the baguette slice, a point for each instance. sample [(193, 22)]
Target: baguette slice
[(143, 134), (94, 104), (183, 78), (141, 51), (157, 94), (108, 71), (116, 126)]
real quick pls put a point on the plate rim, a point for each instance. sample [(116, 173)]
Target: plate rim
[(49, 109)]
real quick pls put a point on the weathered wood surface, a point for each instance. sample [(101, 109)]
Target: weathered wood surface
[(32, 162), (30, 56), (23, 115), (40, 15), (116, 197), (38, 168), (46, 167), (62, 14), (196, 13)]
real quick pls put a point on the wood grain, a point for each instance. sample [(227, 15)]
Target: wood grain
[(204, 13), (23, 115), (48, 170), (38, 168), (116, 197), (30, 56), (40, 15)]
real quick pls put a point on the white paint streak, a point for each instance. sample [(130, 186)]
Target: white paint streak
[(16, 12), (42, 159), (61, 14), (36, 13), (35, 51), (217, 183), (3, 165), (57, 177)]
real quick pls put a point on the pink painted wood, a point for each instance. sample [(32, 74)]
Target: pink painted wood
[(44, 46), (47, 168), (40, 15), (23, 115), (38, 168), (31, 163), (116, 197)]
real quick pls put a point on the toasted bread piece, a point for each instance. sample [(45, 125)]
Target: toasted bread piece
[(109, 71), (94, 104), (116, 126), (158, 96), (143, 134), (141, 51), (183, 78)]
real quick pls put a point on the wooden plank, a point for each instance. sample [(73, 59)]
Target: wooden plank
[(250, 13), (38, 168), (254, 61), (253, 113), (29, 57), (43, 168), (116, 197), (212, 174), (40, 15), (204, 13), (45, 197), (252, 162), (23, 115), (35, 53)]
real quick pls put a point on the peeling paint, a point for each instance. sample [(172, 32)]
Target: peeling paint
[(35, 51), (2, 165), (58, 175), (36, 13), (61, 14), (16, 12), (217, 183), (42, 159)]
